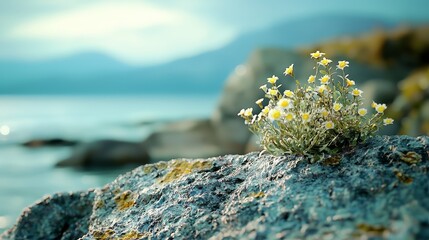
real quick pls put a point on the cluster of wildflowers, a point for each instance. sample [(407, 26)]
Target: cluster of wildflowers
[(324, 115)]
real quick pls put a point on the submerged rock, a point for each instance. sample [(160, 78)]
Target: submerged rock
[(378, 191), (50, 142)]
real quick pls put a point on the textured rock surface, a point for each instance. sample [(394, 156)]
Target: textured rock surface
[(380, 190)]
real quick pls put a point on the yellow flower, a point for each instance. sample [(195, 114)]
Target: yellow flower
[(305, 117), (321, 88), (274, 114), (241, 113), (273, 92), (329, 125), (350, 82), (259, 102), (311, 79), (289, 116), (373, 104), (272, 79), (317, 55), (248, 112), (284, 103), (380, 108), (337, 106), (325, 79), (387, 121), (288, 93), (289, 70), (356, 92), (266, 110), (325, 61), (324, 112), (263, 87), (342, 64), (362, 112)]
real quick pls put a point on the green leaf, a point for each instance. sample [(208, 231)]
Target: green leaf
[(323, 72), (337, 95)]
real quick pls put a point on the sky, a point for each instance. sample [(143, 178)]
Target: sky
[(155, 31)]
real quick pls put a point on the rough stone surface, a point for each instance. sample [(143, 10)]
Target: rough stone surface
[(378, 191), (61, 216)]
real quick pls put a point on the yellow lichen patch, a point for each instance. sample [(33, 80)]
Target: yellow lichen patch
[(180, 168), (134, 235), (125, 200), (372, 230), (99, 204), (257, 195), (411, 157), (103, 235), (403, 178), (332, 161), (152, 167)]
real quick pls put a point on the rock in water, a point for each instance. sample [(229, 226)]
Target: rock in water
[(378, 191)]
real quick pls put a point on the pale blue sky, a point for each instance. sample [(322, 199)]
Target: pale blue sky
[(154, 31)]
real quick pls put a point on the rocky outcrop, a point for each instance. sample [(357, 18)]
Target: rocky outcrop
[(377, 191)]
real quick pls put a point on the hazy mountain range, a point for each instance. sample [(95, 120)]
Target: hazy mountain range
[(95, 73)]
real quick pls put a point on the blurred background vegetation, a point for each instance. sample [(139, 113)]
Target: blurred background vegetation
[(105, 85)]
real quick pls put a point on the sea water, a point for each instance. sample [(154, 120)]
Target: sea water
[(28, 174)]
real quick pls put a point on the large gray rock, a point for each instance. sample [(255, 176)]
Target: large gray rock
[(378, 191), (185, 139)]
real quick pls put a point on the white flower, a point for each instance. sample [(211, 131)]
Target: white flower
[(248, 112), (362, 112), (356, 92), (288, 93), (325, 61), (273, 92), (342, 64), (272, 79), (329, 125), (289, 116), (337, 106), (325, 79), (284, 103), (306, 117), (387, 121), (289, 70), (380, 108), (274, 114), (317, 55)]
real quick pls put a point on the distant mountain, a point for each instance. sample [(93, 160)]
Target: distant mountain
[(94, 73)]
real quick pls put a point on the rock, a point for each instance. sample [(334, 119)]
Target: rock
[(411, 105), (185, 139), (52, 142), (107, 153), (378, 191), (61, 216)]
